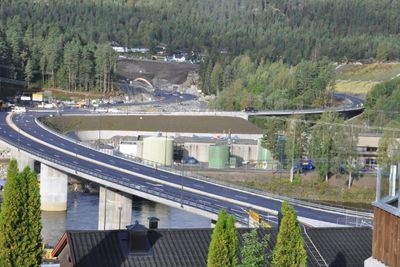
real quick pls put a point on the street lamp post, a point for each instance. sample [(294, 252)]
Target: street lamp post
[(165, 149), (98, 145), (183, 172)]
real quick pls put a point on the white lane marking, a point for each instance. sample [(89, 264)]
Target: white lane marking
[(41, 149), (112, 161), (57, 156), (239, 211), (92, 155), (75, 162), (163, 176), (62, 144), (136, 169), (10, 135), (242, 197), (152, 184), (41, 135), (197, 185), (28, 144), (51, 139), (98, 170)]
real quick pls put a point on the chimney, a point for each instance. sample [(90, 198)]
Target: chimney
[(153, 223), (137, 238)]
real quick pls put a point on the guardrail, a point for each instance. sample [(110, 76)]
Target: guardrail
[(360, 213)]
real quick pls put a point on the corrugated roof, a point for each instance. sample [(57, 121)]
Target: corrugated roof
[(189, 247)]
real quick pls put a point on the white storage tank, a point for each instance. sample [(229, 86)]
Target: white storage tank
[(159, 150)]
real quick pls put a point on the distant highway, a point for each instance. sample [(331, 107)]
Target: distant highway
[(165, 187)]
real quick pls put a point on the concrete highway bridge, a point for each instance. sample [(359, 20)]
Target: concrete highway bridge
[(354, 106), (58, 157)]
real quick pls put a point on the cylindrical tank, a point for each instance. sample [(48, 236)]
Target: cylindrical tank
[(218, 156), (159, 150)]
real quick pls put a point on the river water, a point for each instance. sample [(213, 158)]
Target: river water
[(83, 209)]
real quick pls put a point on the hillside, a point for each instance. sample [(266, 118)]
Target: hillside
[(359, 79)]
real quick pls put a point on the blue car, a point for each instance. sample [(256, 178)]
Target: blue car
[(307, 165)]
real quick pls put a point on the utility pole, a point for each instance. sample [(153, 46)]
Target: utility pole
[(183, 172), (293, 143), (98, 145)]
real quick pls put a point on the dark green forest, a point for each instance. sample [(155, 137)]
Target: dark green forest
[(382, 103), (66, 43)]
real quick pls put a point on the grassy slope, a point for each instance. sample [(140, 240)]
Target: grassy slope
[(359, 79)]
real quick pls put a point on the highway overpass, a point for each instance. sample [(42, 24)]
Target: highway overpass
[(60, 157)]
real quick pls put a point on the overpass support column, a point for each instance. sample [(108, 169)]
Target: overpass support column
[(115, 209), (23, 160), (53, 189)]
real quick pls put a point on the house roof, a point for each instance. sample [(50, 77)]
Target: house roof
[(189, 247)]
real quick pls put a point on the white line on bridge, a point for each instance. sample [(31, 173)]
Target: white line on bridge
[(163, 176), (243, 197), (98, 170), (197, 185), (56, 156), (28, 144), (41, 149), (92, 155)]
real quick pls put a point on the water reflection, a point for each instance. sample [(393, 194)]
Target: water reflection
[(82, 214)]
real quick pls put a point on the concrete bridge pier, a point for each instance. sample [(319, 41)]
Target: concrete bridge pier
[(23, 160), (53, 189), (115, 209)]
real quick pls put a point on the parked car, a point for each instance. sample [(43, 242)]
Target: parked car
[(190, 160), (307, 164)]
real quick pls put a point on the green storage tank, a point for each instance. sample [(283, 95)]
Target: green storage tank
[(218, 156)]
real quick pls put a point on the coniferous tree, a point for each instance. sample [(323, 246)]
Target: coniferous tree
[(289, 248), (35, 249), (218, 253), (232, 240), (20, 219), (223, 250)]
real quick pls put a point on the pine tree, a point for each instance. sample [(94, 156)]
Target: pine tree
[(289, 248)]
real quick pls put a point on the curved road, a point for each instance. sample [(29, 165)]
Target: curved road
[(200, 195)]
